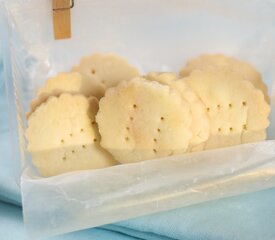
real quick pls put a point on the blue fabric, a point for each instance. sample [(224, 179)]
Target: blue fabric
[(249, 217)]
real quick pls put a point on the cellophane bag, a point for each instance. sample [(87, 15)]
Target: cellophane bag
[(154, 36)]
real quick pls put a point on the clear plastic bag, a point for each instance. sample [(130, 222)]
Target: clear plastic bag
[(153, 35)]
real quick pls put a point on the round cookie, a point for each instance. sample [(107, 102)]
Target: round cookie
[(140, 120), (62, 136), (107, 69), (200, 121), (253, 136), (162, 77), (235, 107), (72, 82), (218, 60)]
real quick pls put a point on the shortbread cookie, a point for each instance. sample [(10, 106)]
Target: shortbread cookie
[(253, 136), (200, 121), (108, 69), (66, 83), (62, 136), (234, 105), (218, 60), (141, 119)]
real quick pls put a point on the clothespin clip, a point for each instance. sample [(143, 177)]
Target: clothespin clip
[(61, 10)]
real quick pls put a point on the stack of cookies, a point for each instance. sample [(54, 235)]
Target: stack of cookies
[(104, 112)]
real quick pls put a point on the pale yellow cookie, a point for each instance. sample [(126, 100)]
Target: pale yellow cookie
[(140, 120), (218, 60), (253, 136), (108, 69), (72, 82), (62, 136), (234, 105), (200, 121), (162, 77)]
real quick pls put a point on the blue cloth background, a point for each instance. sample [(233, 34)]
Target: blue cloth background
[(245, 217)]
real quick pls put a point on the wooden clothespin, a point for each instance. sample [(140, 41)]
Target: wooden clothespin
[(62, 18)]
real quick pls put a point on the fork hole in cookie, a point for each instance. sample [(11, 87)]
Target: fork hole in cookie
[(218, 106), (154, 150), (155, 140), (208, 109), (126, 139), (93, 71), (62, 141), (230, 105), (162, 118), (244, 127), (93, 122), (134, 106), (81, 130), (73, 151), (64, 158), (231, 129), (95, 139), (219, 129), (127, 128), (71, 134), (158, 129), (244, 103), (131, 118), (83, 146)]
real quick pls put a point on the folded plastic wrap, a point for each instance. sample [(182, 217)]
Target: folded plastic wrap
[(90, 198), (153, 35)]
